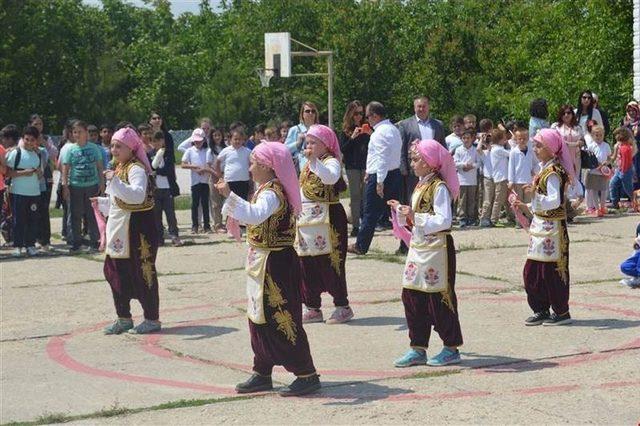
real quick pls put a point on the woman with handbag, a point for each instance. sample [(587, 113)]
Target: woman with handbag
[(573, 137)]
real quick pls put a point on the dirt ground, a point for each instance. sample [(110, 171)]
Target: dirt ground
[(58, 366)]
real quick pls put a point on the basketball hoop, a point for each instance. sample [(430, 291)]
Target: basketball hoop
[(265, 77)]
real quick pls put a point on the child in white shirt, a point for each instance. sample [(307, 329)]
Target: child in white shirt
[(163, 199), (523, 165), (454, 140), (233, 164), (596, 183), (466, 160), (500, 166), (199, 160)]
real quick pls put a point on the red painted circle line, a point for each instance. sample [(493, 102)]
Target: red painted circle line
[(56, 351)]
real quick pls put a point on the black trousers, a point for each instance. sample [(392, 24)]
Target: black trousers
[(44, 222), (25, 219), (200, 197), (240, 188)]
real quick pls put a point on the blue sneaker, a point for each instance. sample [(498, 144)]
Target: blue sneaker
[(445, 357), (411, 358)]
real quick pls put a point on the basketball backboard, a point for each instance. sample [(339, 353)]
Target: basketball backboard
[(277, 54)]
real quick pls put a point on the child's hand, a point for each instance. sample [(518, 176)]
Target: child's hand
[(223, 188), (393, 204), (406, 211)]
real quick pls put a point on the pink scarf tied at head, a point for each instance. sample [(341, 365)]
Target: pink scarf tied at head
[(552, 139), (276, 156), (438, 157), (327, 137), (130, 138)]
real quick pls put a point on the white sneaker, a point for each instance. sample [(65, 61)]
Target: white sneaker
[(45, 248), (19, 252), (633, 282), (31, 251)]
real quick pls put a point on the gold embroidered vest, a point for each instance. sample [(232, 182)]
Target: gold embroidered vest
[(279, 230), (122, 171), (541, 188), (426, 195), (313, 188)]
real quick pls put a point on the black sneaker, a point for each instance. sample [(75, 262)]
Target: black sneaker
[(354, 231), (255, 383), (537, 318), (556, 319), (302, 386)]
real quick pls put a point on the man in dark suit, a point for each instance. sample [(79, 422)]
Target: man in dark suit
[(417, 127)]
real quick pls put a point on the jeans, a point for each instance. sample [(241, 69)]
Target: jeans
[(621, 185), (25, 219), (79, 207), (374, 206), (44, 223), (356, 189), (631, 266), (200, 199), (163, 202)]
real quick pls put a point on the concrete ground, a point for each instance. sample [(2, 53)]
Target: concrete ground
[(58, 366)]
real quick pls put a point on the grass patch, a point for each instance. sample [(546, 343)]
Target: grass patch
[(182, 202), (119, 411), (430, 374), (239, 268), (484, 277), (380, 302)]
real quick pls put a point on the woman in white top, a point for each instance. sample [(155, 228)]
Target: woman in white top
[(587, 111)]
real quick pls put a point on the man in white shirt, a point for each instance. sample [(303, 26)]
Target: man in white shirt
[(383, 179)]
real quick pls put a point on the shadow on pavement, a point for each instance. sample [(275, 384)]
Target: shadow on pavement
[(377, 321), (198, 332), (357, 393), (503, 364), (605, 323)]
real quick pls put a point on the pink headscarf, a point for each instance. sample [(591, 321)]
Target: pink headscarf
[(438, 157), (327, 137), (130, 138), (277, 156), (552, 139)]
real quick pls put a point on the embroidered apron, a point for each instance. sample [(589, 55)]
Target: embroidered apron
[(544, 239), (256, 268), (118, 233), (426, 268), (313, 234)]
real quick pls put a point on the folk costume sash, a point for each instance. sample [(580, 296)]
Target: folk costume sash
[(426, 267), (117, 232), (275, 233), (314, 234)]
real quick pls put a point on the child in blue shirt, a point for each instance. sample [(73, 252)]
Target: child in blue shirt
[(631, 266)]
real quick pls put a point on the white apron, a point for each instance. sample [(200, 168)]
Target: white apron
[(313, 233), (256, 268), (426, 268), (117, 232), (544, 240)]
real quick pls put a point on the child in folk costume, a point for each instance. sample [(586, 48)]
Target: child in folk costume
[(131, 234), (273, 271), (546, 272), (321, 238), (428, 283)]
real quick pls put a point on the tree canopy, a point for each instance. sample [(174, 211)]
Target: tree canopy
[(63, 58)]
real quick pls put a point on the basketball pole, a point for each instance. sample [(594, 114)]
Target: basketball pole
[(314, 53)]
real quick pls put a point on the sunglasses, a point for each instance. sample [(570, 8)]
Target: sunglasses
[(586, 97), (310, 111)]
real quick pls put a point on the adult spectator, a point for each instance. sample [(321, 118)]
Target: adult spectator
[(24, 168), (354, 141), (420, 126), (538, 114), (587, 111), (295, 138), (572, 135), (158, 124), (603, 114), (383, 179), (631, 121)]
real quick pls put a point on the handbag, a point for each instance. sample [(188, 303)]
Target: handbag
[(588, 159)]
